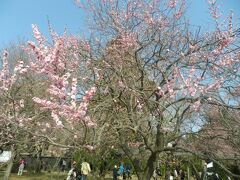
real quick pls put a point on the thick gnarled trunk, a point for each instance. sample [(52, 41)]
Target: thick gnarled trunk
[(149, 167)]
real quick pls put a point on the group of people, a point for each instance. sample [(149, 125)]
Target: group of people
[(75, 174), (123, 172), (176, 174)]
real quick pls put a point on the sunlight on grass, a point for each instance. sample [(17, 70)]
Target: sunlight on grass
[(43, 176)]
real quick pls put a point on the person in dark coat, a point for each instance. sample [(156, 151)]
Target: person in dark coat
[(182, 175), (128, 171), (115, 173)]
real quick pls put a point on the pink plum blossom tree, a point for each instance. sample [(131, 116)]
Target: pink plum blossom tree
[(158, 74), (141, 85), (69, 88)]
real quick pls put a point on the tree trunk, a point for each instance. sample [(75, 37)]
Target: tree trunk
[(188, 173), (135, 164), (167, 169), (9, 166), (138, 171), (148, 171), (195, 172), (150, 166)]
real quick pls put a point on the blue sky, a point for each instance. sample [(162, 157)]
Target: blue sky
[(16, 17)]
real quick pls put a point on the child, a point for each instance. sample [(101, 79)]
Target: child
[(21, 167)]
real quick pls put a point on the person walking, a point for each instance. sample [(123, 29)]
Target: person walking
[(85, 169), (115, 173), (121, 171), (21, 167), (182, 175), (155, 174), (64, 164), (128, 171), (72, 174)]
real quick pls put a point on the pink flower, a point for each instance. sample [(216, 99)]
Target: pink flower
[(192, 91), (134, 144), (196, 105), (91, 124), (47, 125), (172, 3), (37, 34), (55, 117), (178, 15)]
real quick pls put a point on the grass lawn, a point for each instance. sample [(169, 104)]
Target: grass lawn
[(42, 176), (45, 176), (52, 176)]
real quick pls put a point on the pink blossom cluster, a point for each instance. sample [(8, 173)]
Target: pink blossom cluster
[(214, 7), (135, 144), (23, 121), (7, 79), (37, 34), (59, 63), (196, 105), (58, 122), (148, 19), (172, 3), (4, 75), (192, 85), (89, 94), (45, 103), (126, 41), (20, 68), (178, 14)]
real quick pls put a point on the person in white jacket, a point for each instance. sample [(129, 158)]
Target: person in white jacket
[(85, 170)]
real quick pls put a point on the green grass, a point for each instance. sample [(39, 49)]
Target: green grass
[(42, 176), (45, 176), (52, 176)]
